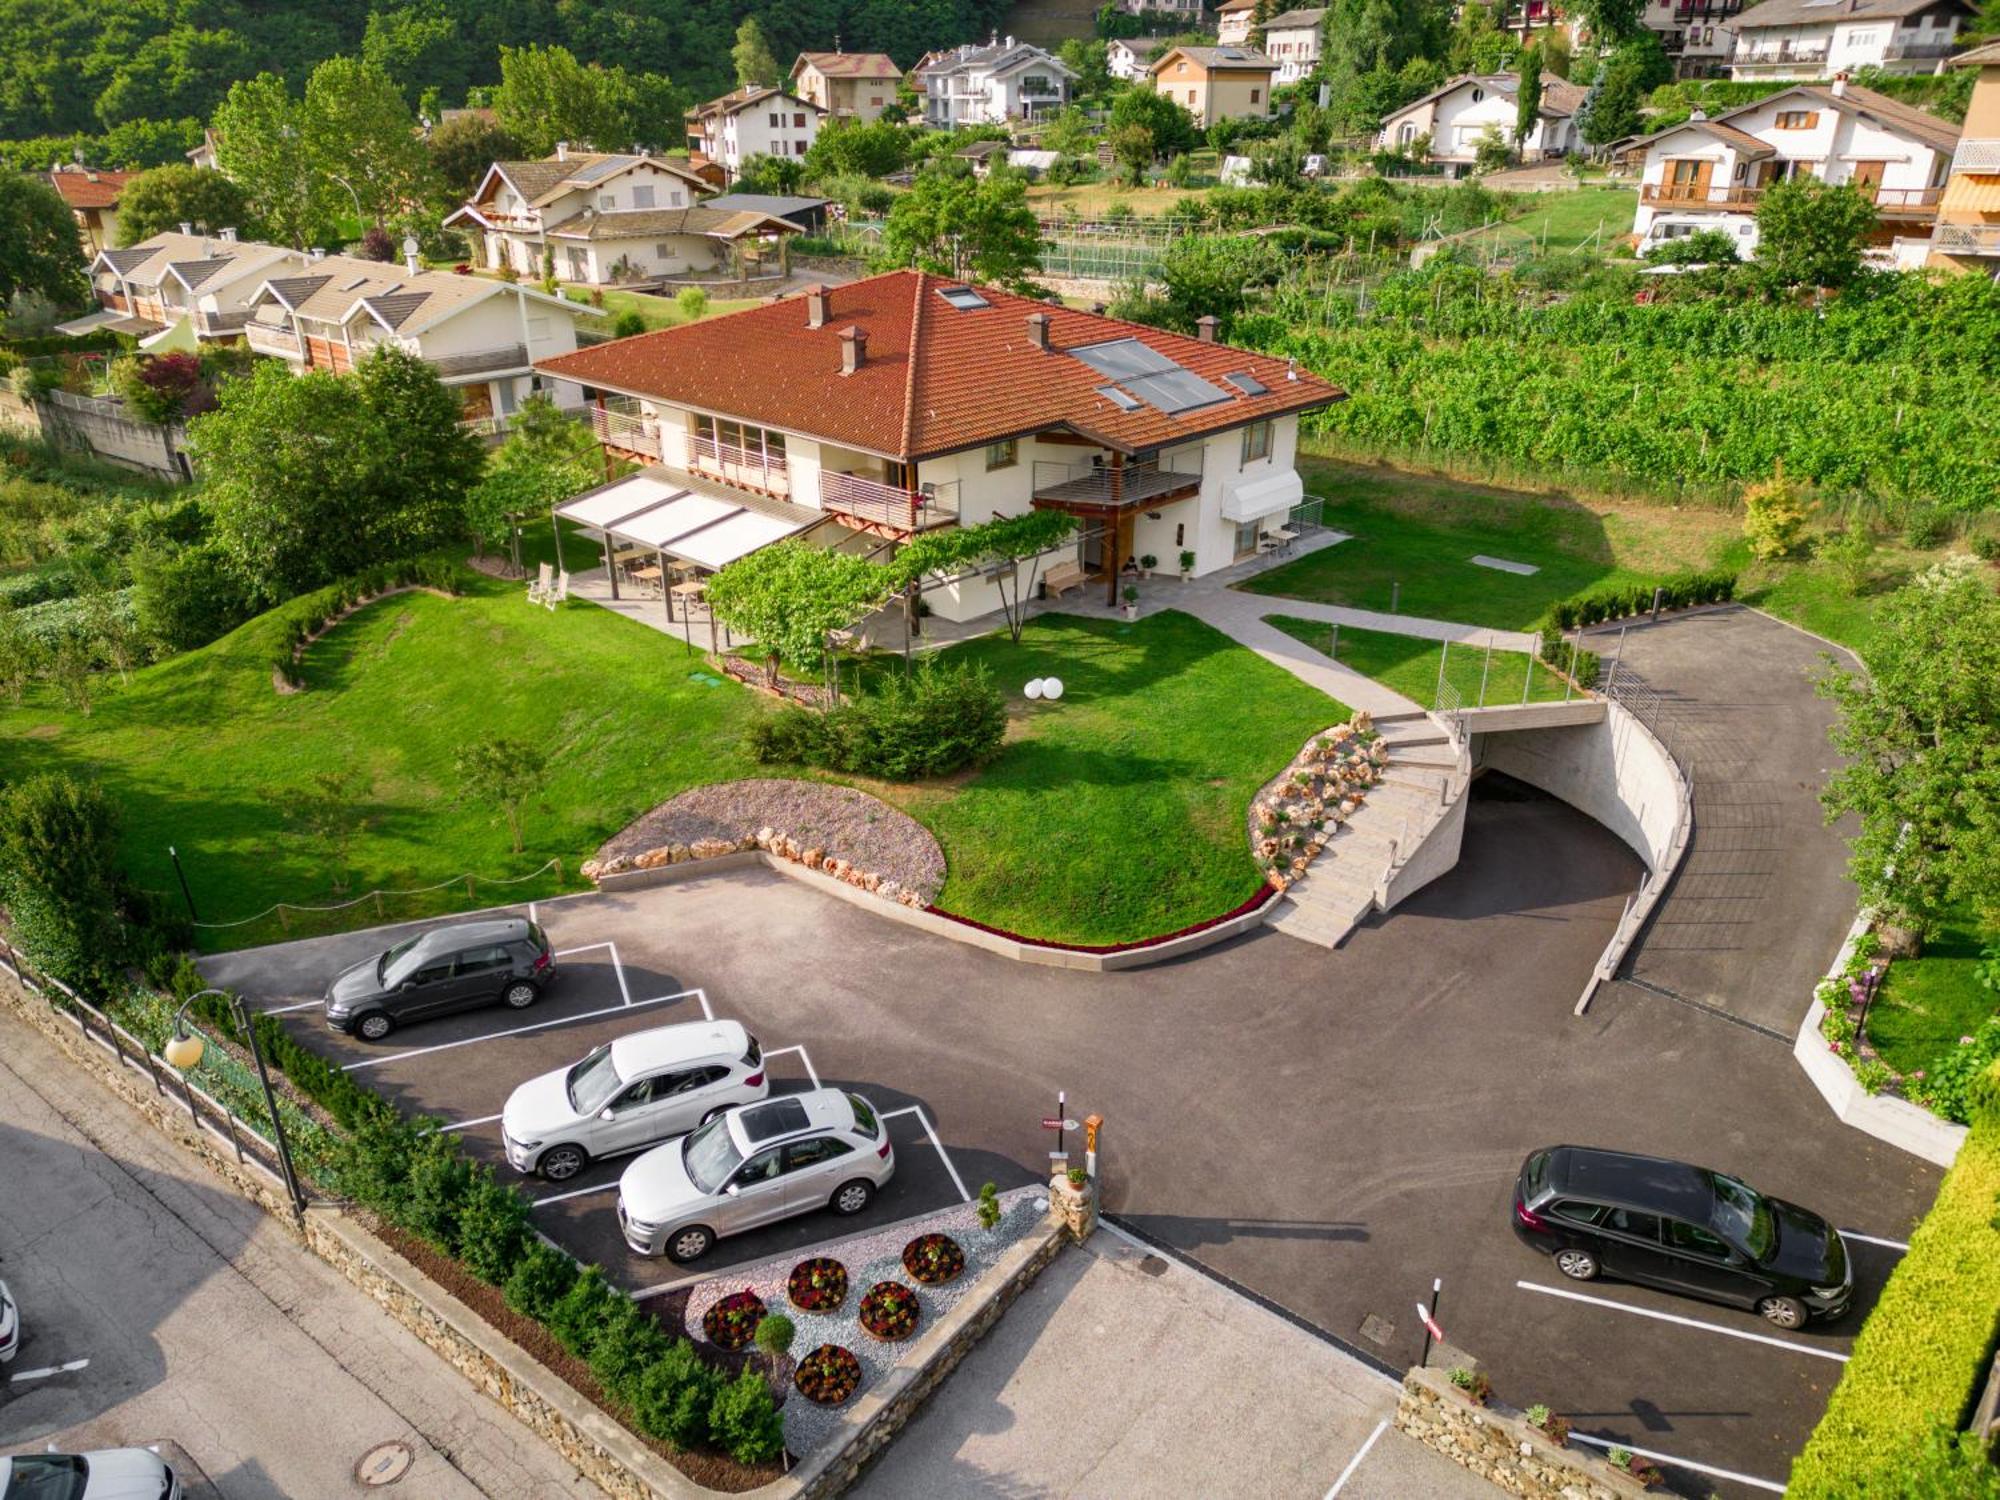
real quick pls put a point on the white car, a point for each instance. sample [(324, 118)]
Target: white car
[(107, 1474), (754, 1166), (10, 1325), (629, 1094)]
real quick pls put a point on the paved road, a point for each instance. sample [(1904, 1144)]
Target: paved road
[(1760, 906), (205, 1326)]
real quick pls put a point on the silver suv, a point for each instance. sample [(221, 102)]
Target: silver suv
[(630, 1093), (754, 1166)]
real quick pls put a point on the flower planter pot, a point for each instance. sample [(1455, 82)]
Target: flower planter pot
[(889, 1312), (1131, 611), (828, 1375), (934, 1259), (817, 1285), (732, 1321)]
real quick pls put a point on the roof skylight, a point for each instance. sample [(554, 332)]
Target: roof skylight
[(964, 298)]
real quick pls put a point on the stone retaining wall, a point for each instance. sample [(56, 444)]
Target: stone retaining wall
[(1495, 1443)]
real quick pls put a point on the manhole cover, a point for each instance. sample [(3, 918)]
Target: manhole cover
[(1153, 1265), (1377, 1330), (384, 1464)]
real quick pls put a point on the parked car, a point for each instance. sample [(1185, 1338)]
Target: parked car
[(10, 1325), (467, 964), (106, 1474), (630, 1094), (1684, 1229), (754, 1166)]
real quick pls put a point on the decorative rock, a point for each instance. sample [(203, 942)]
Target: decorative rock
[(766, 836), (811, 859), (590, 869)]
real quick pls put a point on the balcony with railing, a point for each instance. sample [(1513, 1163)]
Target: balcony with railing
[(874, 505), (267, 338), (1905, 203), (1977, 157), (221, 323), (627, 431), (472, 362), (1966, 239), (1917, 51), (763, 469), (1784, 55), (1118, 486)]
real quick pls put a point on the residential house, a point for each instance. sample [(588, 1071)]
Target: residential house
[(92, 197), (597, 219), (809, 214), (1812, 39), (1216, 83), (904, 402), (1232, 22), (203, 156), (1128, 58), (481, 335), (992, 84), (202, 281), (755, 120), (1967, 235), (1695, 34), (1186, 12), (1712, 173), (1457, 117), (1291, 40), (847, 85)]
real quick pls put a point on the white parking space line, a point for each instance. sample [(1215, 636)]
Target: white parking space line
[(1646, 1312), (468, 1124), (1869, 1239), (43, 1374), (781, 1051), (943, 1155), (617, 968), (589, 1015), (1355, 1462), (1679, 1463), (602, 1187)]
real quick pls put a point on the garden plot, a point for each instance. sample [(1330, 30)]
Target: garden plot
[(864, 1261)]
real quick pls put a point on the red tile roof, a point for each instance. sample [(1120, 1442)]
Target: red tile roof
[(849, 64), (975, 376), (81, 187)]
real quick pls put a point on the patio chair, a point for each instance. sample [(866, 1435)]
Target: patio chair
[(559, 592), (538, 591)]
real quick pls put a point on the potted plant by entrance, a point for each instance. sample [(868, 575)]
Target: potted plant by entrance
[(1147, 564), (1131, 601), (1187, 567)]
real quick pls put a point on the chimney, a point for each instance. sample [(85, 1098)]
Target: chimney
[(562, 150), (1292, 367), (1205, 326), (1010, 43), (815, 306), (227, 236), (1840, 85), (1038, 329), (186, 227), (318, 253), (411, 248), (853, 349)]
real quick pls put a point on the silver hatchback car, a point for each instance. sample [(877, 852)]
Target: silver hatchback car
[(754, 1166), (630, 1093)]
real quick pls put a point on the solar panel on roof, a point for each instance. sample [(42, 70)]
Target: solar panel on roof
[(1121, 359), (769, 1121), (1120, 399), (1176, 391), (1247, 383), (964, 298), (605, 168)]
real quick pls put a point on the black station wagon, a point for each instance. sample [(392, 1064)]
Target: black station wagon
[(467, 964)]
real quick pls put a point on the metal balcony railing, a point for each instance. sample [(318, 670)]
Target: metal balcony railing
[(1979, 156), (752, 468), (222, 322), (265, 339), (1785, 54), (891, 507), (1106, 484), (1909, 51), (1967, 239), (474, 362), (627, 431), (1907, 200)]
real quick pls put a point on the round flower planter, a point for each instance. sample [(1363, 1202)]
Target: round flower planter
[(828, 1375), (889, 1311), (934, 1259), (817, 1285), (732, 1322)]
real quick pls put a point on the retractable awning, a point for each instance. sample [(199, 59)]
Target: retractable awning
[(89, 322), (708, 530), (1258, 498)]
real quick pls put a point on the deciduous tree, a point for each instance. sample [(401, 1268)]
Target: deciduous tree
[(955, 224), (547, 457), (1173, 127), (167, 197), (260, 142), (1133, 146), (790, 596), (751, 56), (1811, 233), (505, 773), (360, 134), (39, 250), (462, 149)]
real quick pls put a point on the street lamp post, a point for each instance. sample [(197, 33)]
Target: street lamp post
[(184, 1051)]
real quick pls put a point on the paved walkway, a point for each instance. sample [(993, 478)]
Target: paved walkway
[(1123, 1373)]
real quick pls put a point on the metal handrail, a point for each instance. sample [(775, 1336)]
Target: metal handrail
[(883, 504), (1107, 484)]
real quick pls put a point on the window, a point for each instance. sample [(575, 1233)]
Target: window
[(1796, 119), (874, 101), (1255, 94), (1477, 95), (763, 1167), (1257, 441), (802, 1154), (777, 122), (432, 973), (642, 197), (663, 251), (607, 200), (799, 120), (674, 198), (483, 960), (1631, 1221), (1003, 455), (1577, 1212), (1406, 133), (1686, 1237), (636, 1097), (1246, 538)]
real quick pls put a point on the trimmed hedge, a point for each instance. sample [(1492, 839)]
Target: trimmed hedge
[(1889, 1428), (303, 618), (1620, 602), (939, 719)]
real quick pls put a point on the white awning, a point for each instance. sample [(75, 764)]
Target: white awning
[(89, 322), (599, 508), (668, 522), (1255, 499), (737, 536), (711, 531)]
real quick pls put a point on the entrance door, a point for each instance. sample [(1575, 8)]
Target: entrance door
[(1688, 180), (1868, 176)]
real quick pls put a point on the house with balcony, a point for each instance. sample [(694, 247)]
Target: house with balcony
[(1216, 83), (1457, 117), (1233, 19), (1128, 57), (1711, 173), (992, 84), (756, 120), (847, 85), (1967, 234), (867, 414), (92, 197), (1781, 40), (1291, 40), (595, 218), (482, 336), (202, 281), (1695, 34)]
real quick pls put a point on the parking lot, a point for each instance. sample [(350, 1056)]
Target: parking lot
[(1327, 1131)]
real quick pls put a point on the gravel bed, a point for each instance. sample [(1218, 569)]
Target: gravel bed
[(869, 1258), (863, 830)]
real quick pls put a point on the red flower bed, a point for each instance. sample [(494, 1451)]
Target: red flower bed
[(889, 1311), (818, 1284), (732, 1322), (828, 1375), (934, 1259)]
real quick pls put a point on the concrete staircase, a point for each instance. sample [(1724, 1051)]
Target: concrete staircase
[(1424, 776)]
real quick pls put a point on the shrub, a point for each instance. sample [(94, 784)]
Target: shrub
[(1927, 528), (938, 719), (493, 1229), (692, 303), (584, 1309), (436, 1193), (989, 1206), (1563, 654), (744, 1421), (775, 1334), (60, 879), (542, 1278), (628, 323), (1946, 1088), (674, 1397), (1925, 1344), (628, 1343), (184, 597), (1851, 555), (1986, 546), (1774, 516)]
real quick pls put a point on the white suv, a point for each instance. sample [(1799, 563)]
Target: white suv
[(629, 1093), (754, 1166)]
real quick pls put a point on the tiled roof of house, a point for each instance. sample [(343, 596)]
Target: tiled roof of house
[(849, 64), (396, 308), (1296, 20), (1939, 135), (993, 58), (1986, 55), (192, 273), (934, 378), (550, 177), (1742, 142), (126, 259), (1559, 96), (741, 99), (1807, 12), (1229, 6), (1218, 58), (640, 223), (83, 187), (221, 261)]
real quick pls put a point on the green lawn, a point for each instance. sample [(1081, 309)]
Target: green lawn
[(659, 312), (200, 752), (1117, 813), (1597, 216), (1409, 664), (1928, 1003)]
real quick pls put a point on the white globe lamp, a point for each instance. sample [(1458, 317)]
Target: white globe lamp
[(1033, 689), (1052, 688)]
